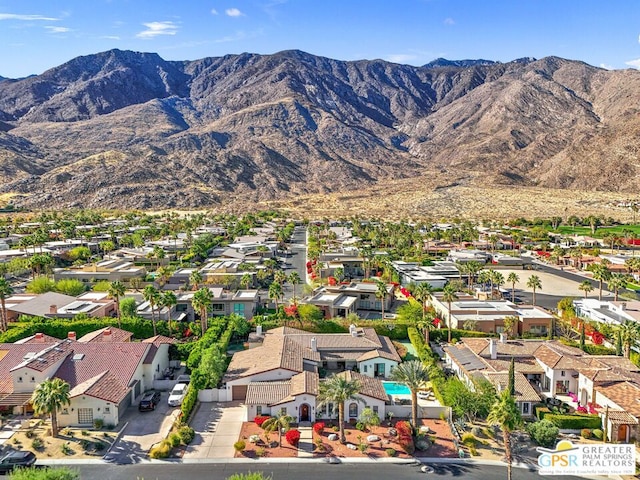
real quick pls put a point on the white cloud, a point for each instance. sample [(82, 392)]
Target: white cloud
[(605, 66), (633, 63), (449, 21), (110, 37), (57, 29), (27, 18), (158, 28), (233, 12), (400, 57), (214, 11)]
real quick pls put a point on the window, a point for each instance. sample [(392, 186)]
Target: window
[(33, 379), (19, 379), (238, 308), (353, 410), (562, 373), (283, 411), (375, 409), (525, 408), (65, 411), (107, 410), (217, 307), (364, 368), (259, 410)]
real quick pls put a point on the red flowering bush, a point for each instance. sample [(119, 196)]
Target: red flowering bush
[(318, 427), (581, 409), (291, 310), (292, 437), (405, 437), (260, 419)]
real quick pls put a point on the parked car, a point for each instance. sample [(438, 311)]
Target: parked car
[(21, 458), (149, 401), (177, 394), (184, 379)]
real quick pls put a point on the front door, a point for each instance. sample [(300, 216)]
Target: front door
[(304, 413)]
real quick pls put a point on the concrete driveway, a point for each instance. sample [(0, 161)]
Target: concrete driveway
[(143, 430), (217, 426)]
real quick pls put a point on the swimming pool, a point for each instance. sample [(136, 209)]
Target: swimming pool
[(395, 388)]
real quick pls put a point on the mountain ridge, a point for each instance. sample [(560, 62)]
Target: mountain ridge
[(130, 129)]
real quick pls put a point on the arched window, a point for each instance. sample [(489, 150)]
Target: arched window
[(353, 410)]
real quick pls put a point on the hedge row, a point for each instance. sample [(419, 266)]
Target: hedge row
[(441, 335), (426, 355), (574, 422), (541, 412)]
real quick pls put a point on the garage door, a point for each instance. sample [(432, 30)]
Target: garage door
[(239, 392)]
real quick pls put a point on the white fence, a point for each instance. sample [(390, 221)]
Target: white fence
[(210, 395)]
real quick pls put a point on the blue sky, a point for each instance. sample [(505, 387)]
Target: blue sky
[(39, 34)]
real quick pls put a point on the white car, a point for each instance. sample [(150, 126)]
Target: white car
[(177, 394)]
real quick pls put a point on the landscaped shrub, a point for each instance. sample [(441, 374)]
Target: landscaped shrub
[(469, 439), (37, 444), (260, 419), (318, 427), (187, 434), (405, 438), (544, 433), (98, 423), (477, 431), (597, 433), (292, 437), (390, 452), (574, 422), (239, 446), (174, 440), (162, 450), (585, 433), (541, 412)]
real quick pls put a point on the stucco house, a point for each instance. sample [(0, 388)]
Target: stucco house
[(284, 372), (106, 372)]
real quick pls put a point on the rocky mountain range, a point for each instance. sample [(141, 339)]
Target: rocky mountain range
[(131, 130)]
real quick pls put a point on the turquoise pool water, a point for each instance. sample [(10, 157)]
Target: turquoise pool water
[(395, 388)]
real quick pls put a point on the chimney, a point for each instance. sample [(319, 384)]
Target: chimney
[(72, 336), (493, 349), (623, 306), (39, 337), (259, 330), (53, 309), (106, 335), (314, 344), (353, 330)]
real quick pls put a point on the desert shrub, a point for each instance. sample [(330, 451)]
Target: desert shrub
[(585, 433), (239, 446), (473, 451), (66, 449), (544, 433), (187, 434), (318, 427), (477, 431), (405, 438), (174, 440), (260, 452), (86, 444), (292, 437), (84, 433), (597, 433), (260, 419), (162, 450), (360, 426), (363, 447), (37, 444), (469, 439), (390, 452), (98, 423), (99, 446)]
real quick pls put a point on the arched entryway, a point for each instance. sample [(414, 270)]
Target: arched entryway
[(623, 431), (305, 412)]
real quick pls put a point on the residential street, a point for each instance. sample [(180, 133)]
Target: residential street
[(296, 261)]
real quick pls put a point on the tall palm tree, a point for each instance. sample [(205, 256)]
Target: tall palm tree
[(616, 283), (49, 397), (513, 278), (275, 292), (294, 279), (117, 291), (245, 280), (600, 273), (381, 294), (472, 270), (152, 295), (449, 295), (498, 280), (201, 301), (630, 333), (504, 413), (423, 293), (338, 390), (195, 279), (414, 375), (534, 283), (169, 299), (280, 277), (5, 292), (278, 423), (585, 287)]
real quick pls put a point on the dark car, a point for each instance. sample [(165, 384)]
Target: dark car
[(149, 401), (22, 458)]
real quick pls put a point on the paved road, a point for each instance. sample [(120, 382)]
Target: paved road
[(307, 471), (297, 260)]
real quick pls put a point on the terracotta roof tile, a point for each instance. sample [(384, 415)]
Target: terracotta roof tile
[(623, 394), (524, 391), (369, 386), (117, 335)]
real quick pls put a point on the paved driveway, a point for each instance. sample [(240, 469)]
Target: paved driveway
[(217, 426), (143, 430)]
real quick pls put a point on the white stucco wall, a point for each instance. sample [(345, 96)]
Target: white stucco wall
[(368, 367), (84, 401), (272, 375)]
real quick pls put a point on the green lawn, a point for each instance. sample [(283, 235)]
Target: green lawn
[(600, 232), (633, 286)]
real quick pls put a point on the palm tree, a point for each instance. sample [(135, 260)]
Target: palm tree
[(472, 269), (630, 333), (280, 277), (585, 287), (152, 295), (423, 293), (275, 292), (534, 283), (338, 390), (616, 283), (116, 291), (5, 292), (381, 294), (498, 280), (294, 279), (504, 413), (449, 295), (201, 301), (245, 280), (280, 422), (49, 397), (513, 278), (195, 279), (168, 299), (600, 273), (414, 375)]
